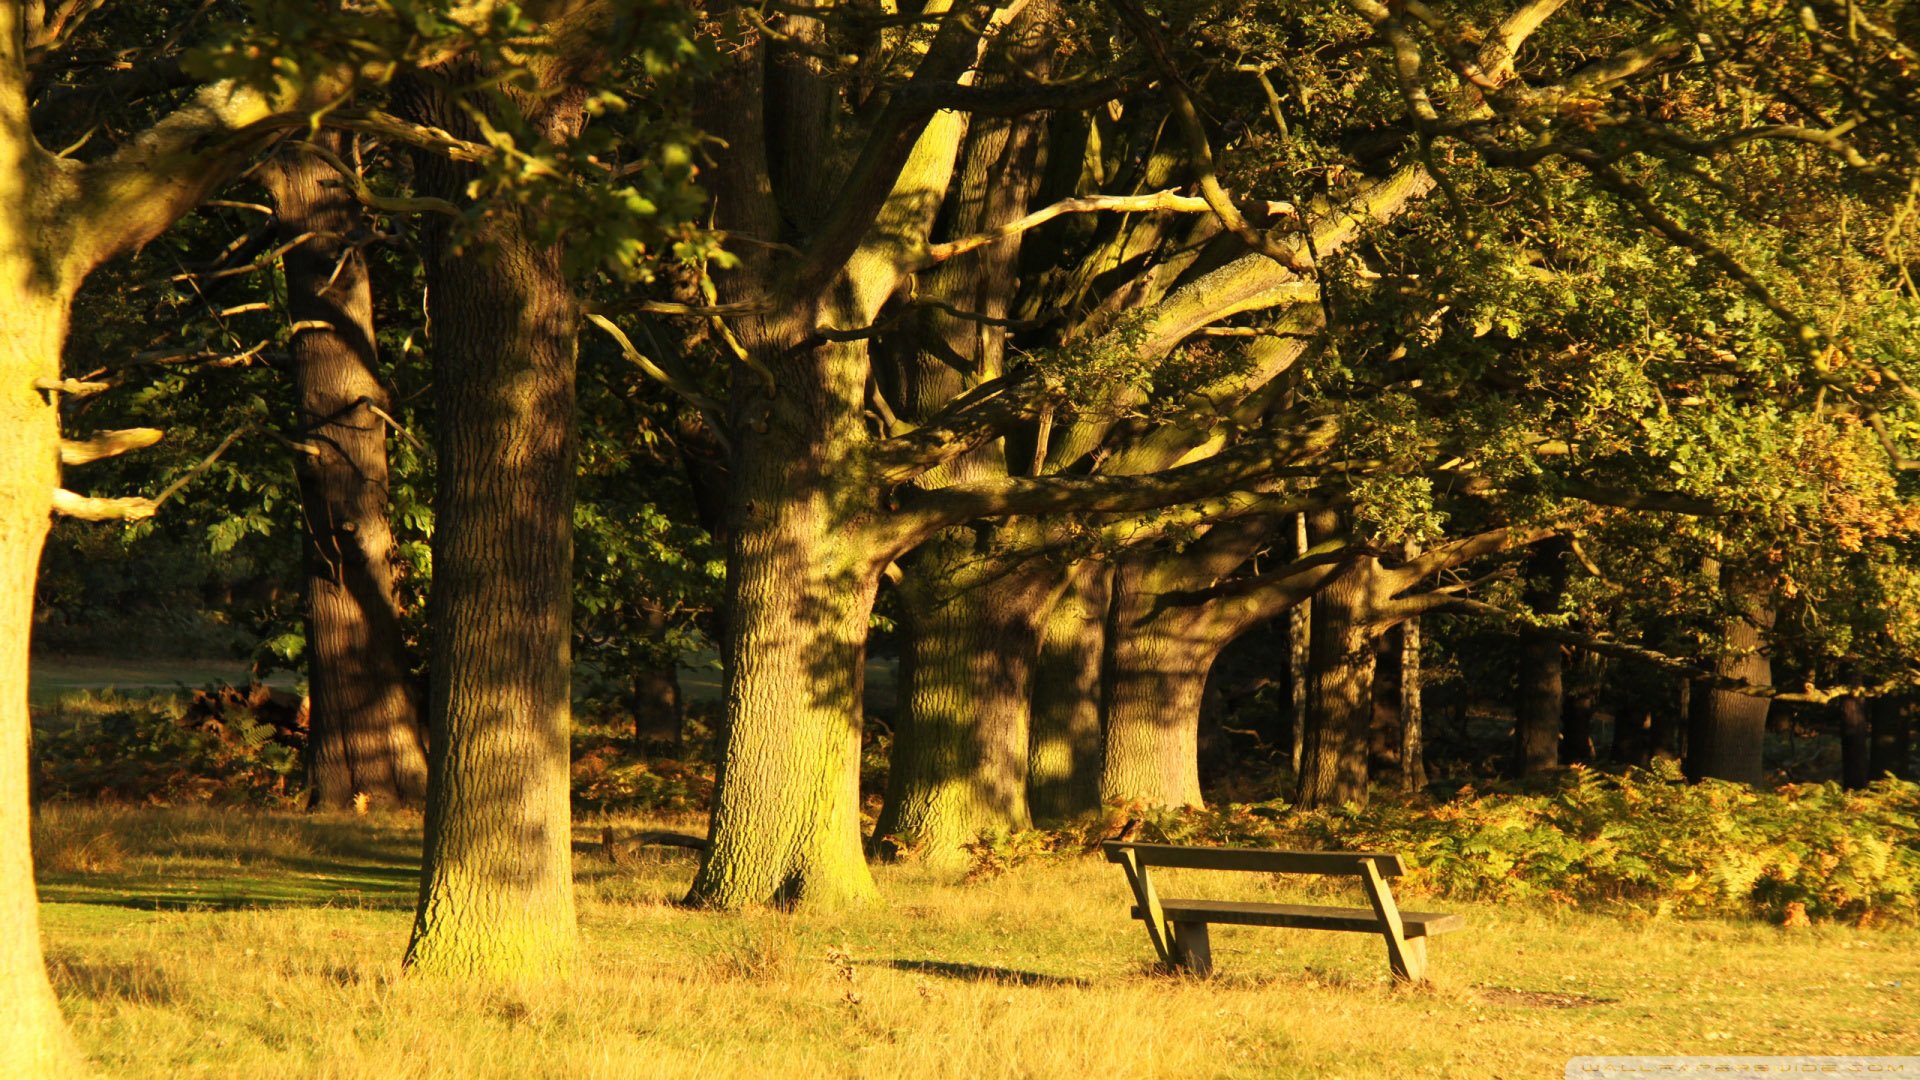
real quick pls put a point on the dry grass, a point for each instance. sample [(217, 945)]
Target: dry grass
[(225, 944)]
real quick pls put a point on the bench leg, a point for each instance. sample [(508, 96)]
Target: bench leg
[(1191, 949), (1408, 958)]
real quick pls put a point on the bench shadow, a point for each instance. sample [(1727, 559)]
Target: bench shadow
[(948, 969)]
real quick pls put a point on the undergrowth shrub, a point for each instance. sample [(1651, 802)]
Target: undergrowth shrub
[(165, 750), (1645, 840)]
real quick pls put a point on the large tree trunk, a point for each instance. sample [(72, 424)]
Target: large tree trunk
[(1156, 679), (496, 891), (1892, 752), (33, 1039), (1726, 731), (973, 625), (365, 725), (1065, 749), (1538, 706), (1333, 767), (800, 590)]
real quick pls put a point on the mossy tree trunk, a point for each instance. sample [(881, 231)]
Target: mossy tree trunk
[(800, 588), (496, 892), (1065, 751), (973, 624), (365, 725)]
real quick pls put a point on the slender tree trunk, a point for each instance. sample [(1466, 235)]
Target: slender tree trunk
[(33, 1038), (1892, 735), (1856, 743), (496, 891), (1065, 750), (1333, 769), (1725, 730), (1299, 653), (973, 625), (365, 733), (1413, 751), (1538, 706), (800, 590)]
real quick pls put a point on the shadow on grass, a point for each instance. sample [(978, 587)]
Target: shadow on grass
[(374, 873), (947, 969)]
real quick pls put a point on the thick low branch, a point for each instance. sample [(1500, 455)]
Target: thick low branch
[(922, 513), (107, 444), (89, 508)]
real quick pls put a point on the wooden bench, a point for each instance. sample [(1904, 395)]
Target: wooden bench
[(1178, 928)]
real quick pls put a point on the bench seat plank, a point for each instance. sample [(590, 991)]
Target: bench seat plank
[(1273, 862), (1303, 916)]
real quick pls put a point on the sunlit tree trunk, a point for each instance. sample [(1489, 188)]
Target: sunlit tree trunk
[(365, 725), (800, 590), (1156, 677), (1065, 750), (33, 1039), (496, 893)]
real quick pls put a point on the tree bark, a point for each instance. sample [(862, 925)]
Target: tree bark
[(1065, 751), (1856, 743), (1726, 731), (1156, 679), (1893, 720), (496, 892), (365, 737), (1413, 748), (1576, 724), (1385, 736), (785, 824), (1299, 652), (973, 623), (1333, 768), (33, 1038), (1538, 706)]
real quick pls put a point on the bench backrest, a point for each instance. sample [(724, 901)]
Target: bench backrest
[(1272, 862)]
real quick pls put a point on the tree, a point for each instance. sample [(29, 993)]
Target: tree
[(63, 216), (365, 729)]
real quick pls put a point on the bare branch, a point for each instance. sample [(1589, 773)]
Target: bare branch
[(107, 444), (1169, 200), (90, 508)]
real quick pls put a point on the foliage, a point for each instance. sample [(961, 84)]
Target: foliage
[(1643, 840), (161, 750)]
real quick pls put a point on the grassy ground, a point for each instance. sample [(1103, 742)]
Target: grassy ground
[(203, 943)]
